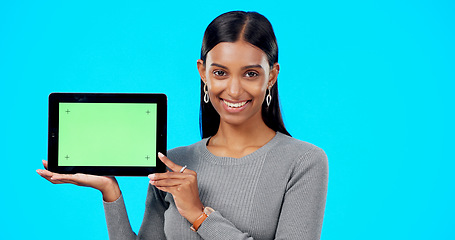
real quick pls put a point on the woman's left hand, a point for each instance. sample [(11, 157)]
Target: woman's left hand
[(182, 186)]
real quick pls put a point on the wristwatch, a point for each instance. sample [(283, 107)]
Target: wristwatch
[(205, 213)]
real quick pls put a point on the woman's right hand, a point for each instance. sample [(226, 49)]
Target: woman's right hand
[(107, 185)]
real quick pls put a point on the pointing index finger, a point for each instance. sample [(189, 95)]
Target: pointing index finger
[(174, 167)]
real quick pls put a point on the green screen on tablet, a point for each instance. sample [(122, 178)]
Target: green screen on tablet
[(107, 134)]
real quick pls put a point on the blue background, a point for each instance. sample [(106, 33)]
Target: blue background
[(371, 82)]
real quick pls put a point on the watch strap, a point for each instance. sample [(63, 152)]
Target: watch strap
[(205, 213), (198, 222)]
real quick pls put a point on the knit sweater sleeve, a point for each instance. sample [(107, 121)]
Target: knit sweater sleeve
[(218, 227), (302, 209), (304, 203), (152, 227)]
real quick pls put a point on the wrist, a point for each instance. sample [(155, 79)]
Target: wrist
[(195, 215), (110, 192)]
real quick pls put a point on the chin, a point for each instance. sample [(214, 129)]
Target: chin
[(241, 119), (235, 121)]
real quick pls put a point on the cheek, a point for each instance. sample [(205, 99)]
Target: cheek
[(256, 88), (215, 87)]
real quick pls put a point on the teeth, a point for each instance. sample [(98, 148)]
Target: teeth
[(234, 105)]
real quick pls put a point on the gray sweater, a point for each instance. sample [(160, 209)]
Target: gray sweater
[(277, 192)]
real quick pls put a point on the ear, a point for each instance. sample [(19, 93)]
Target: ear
[(273, 74), (201, 69)]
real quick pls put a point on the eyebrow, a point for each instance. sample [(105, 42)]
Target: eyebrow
[(245, 67), (218, 65)]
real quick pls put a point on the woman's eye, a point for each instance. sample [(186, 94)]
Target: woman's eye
[(219, 73), (251, 74)]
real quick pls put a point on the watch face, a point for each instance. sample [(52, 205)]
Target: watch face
[(208, 210)]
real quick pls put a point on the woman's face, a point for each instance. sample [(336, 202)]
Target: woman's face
[(237, 76)]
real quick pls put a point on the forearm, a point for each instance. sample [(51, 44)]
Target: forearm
[(118, 224)]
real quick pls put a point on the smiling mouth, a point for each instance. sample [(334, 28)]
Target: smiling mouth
[(235, 105)]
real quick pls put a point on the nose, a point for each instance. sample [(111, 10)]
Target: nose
[(234, 88)]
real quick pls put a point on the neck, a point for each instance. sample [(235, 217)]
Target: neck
[(251, 134)]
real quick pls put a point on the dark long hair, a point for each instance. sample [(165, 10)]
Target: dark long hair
[(255, 29)]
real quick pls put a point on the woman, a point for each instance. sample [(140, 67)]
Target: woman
[(247, 178)]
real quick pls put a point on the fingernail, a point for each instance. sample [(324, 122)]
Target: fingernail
[(160, 154), (151, 176)]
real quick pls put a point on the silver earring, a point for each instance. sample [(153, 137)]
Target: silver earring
[(268, 99), (206, 93)]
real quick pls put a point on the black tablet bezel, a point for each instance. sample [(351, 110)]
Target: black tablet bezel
[(53, 134)]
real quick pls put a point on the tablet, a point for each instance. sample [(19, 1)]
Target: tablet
[(109, 134)]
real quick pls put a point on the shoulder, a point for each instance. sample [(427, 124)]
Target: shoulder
[(184, 150), (301, 154), (183, 153), (307, 163), (295, 147)]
